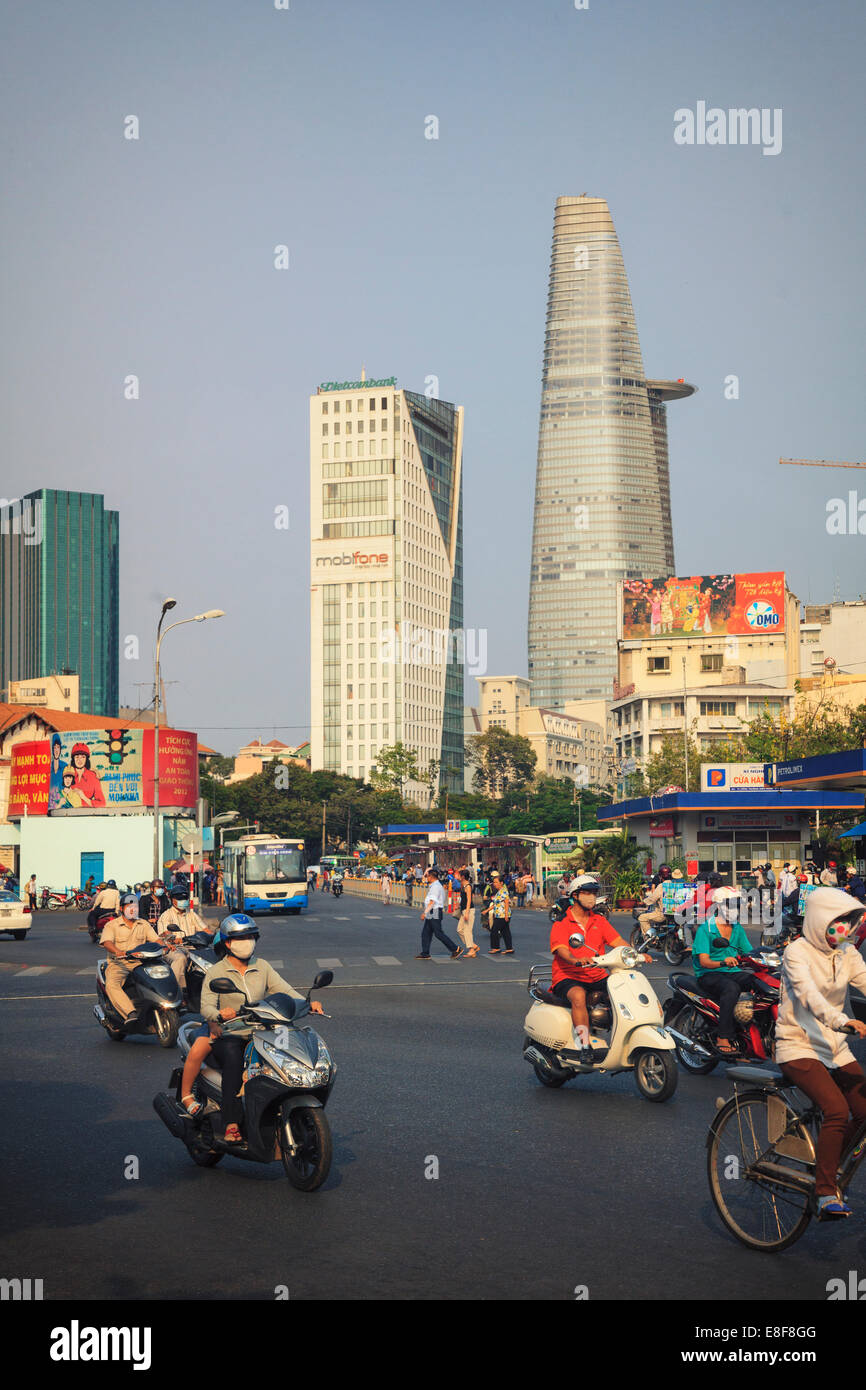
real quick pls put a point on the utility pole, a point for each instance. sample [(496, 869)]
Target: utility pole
[(324, 805), (685, 724)]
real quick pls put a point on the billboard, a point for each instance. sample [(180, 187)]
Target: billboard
[(102, 770), (732, 777), (703, 605)]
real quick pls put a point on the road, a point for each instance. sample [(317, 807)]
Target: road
[(538, 1192)]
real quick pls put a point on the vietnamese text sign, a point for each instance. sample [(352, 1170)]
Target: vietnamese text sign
[(102, 770), (28, 784), (704, 605), (732, 777)]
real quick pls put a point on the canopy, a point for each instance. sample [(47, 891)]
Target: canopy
[(857, 832)]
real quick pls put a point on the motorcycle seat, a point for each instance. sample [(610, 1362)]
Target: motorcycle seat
[(547, 997), (685, 982)]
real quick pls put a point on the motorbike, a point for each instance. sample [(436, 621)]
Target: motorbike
[(200, 956), (95, 922), (695, 1017), (336, 887), (152, 989), (52, 899), (561, 906), (288, 1077), (624, 1007), (668, 937)]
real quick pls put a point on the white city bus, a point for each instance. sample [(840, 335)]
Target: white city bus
[(265, 873)]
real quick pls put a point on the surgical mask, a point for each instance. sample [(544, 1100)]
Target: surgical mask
[(159, 892), (728, 913), (242, 949), (130, 912), (181, 904)]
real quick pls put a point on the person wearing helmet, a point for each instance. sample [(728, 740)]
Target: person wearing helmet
[(718, 942), (152, 904), (174, 924), (653, 901), (828, 874), (816, 973), (107, 899), (120, 935), (87, 784), (572, 976), (255, 980)]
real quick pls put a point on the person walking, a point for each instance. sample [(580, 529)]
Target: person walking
[(466, 920), (386, 887), (431, 919), (520, 889), (530, 888), (31, 892), (500, 925), (409, 881)]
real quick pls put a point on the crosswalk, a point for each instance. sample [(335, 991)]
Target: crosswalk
[(322, 962)]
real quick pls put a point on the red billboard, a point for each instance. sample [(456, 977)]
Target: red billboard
[(102, 770), (29, 779), (704, 605), (178, 768)]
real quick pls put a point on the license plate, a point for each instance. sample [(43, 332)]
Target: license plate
[(6, 912)]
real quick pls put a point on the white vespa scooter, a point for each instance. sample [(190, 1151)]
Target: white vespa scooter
[(623, 1009)]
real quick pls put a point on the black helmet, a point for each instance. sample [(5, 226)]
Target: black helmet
[(111, 883), (179, 890), (665, 870), (127, 899), (237, 927), (715, 880)]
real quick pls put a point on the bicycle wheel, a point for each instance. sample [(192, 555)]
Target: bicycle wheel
[(761, 1213)]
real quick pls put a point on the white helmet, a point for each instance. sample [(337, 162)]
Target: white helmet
[(727, 903), (585, 883)]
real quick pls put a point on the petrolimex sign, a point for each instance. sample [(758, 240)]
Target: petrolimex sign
[(732, 777), (357, 385)]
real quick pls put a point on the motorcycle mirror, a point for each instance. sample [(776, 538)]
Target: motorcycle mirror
[(323, 978), (223, 986), (576, 939)]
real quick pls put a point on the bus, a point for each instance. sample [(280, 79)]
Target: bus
[(345, 863), (265, 873)]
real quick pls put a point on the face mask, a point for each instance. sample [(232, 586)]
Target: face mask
[(130, 913), (242, 949), (181, 904), (838, 933), (159, 892)]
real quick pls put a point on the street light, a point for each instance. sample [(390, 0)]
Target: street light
[(199, 618)]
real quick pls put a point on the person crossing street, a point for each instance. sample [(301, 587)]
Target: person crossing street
[(431, 919)]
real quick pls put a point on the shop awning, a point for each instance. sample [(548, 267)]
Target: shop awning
[(828, 770), (857, 833)]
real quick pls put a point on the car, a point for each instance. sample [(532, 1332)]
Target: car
[(15, 916)]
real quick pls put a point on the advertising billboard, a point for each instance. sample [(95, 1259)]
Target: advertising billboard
[(704, 605), (102, 770), (732, 777)]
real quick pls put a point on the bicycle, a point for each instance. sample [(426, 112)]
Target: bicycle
[(761, 1151)]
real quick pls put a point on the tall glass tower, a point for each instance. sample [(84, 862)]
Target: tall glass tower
[(602, 489), (59, 595)]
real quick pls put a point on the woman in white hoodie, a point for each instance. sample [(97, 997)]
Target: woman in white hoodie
[(816, 973)]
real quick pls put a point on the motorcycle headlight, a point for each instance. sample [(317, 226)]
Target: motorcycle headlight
[(157, 972), (293, 1071)]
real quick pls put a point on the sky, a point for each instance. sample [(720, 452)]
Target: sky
[(305, 127)]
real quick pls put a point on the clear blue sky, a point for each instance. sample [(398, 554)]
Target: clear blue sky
[(415, 257)]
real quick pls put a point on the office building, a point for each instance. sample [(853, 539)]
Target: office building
[(602, 492), (388, 646)]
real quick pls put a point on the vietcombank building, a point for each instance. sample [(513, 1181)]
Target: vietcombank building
[(386, 572)]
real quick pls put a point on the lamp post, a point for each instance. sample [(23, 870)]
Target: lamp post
[(199, 618)]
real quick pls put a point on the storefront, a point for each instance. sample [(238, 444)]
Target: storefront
[(728, 832), (836, 772)]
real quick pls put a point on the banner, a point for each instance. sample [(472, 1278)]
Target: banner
[(703, 605), (102, 770), (732, 777)]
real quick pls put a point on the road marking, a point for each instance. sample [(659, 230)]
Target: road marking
[(13, 998), (34, 970), (373, 916), (386, 960), (330, 964), (87, 971), (342, 919)]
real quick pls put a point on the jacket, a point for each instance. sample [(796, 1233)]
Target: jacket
[(814, 986), (258, 981)]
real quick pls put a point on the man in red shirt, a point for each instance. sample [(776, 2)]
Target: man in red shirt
[(572, 977)]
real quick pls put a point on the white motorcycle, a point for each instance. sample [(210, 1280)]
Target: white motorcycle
[(625, 1028)]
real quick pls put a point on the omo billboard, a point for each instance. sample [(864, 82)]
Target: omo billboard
[(102, 770), (704, 605)]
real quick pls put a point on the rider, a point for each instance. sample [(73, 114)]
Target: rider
[(653, 901), (120, 935), (716, 967), (255, 980), (813, 1054), (107, 900), (571, 975), (179, 921)]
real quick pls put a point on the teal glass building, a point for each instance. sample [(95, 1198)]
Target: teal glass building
[(59, 593), (602, 490)]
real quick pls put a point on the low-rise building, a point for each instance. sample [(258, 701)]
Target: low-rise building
[(833, 633), (250, 759), (565, 743), (59, 690)]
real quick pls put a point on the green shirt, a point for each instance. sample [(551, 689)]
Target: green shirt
[(707, 932)]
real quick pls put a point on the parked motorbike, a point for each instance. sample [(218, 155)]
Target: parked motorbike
[(288, 1076), (668, 937), (624, 1007), (153, 991), (695, 1017), (200, 956)]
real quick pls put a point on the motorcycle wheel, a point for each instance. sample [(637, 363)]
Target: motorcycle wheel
[(53, 904), (685, 1022), (204, 1158), (675, 952), (308, 1167), (167, 1026), (637, 939), (655, 1075), (116, 1034)]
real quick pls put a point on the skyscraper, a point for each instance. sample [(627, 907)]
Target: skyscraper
[(59, 595), (602, 488), (386, 526)]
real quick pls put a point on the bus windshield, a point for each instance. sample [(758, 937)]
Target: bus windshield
[(273, 864)]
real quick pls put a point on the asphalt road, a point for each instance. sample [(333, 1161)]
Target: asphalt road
[(537, 1191)]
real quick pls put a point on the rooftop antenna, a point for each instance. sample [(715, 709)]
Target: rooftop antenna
[(363, 372)]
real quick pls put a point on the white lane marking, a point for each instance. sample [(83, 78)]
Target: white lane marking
[(386, 960), (88, 971), (342, 919), (373, 916), (330, 964), (34, 970)]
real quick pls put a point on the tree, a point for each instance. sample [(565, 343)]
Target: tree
[(551, 804), (666, 767), (395, 765), (501, 760), (825, 727)]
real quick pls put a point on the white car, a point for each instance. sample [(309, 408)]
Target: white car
[(15, 917)]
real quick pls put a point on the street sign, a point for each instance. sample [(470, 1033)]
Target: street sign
[(192, 842), (467, 827)]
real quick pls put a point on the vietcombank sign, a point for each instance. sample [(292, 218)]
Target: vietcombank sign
[(357, 385)]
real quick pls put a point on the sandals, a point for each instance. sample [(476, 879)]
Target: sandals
[(724, 1046), (195, 1108), (232, 1135)]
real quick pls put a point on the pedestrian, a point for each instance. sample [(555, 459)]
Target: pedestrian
[(311, 881), (520, 889), (386, 887), (31, 892), (409, 881), (466, 920), (530, 888), (500, 911), (431, 919)]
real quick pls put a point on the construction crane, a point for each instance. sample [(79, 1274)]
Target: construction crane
[(821, 463)]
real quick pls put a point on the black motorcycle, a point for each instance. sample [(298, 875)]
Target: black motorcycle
[(153, 992), (668, 937), (288, 1076), (337, 887), (200, 956)]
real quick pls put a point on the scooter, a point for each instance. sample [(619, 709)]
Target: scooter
[(697, 1017), (624, 1006), (153, 991), (669, 937), (337, 887), (200, 956), (288, 1076)]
